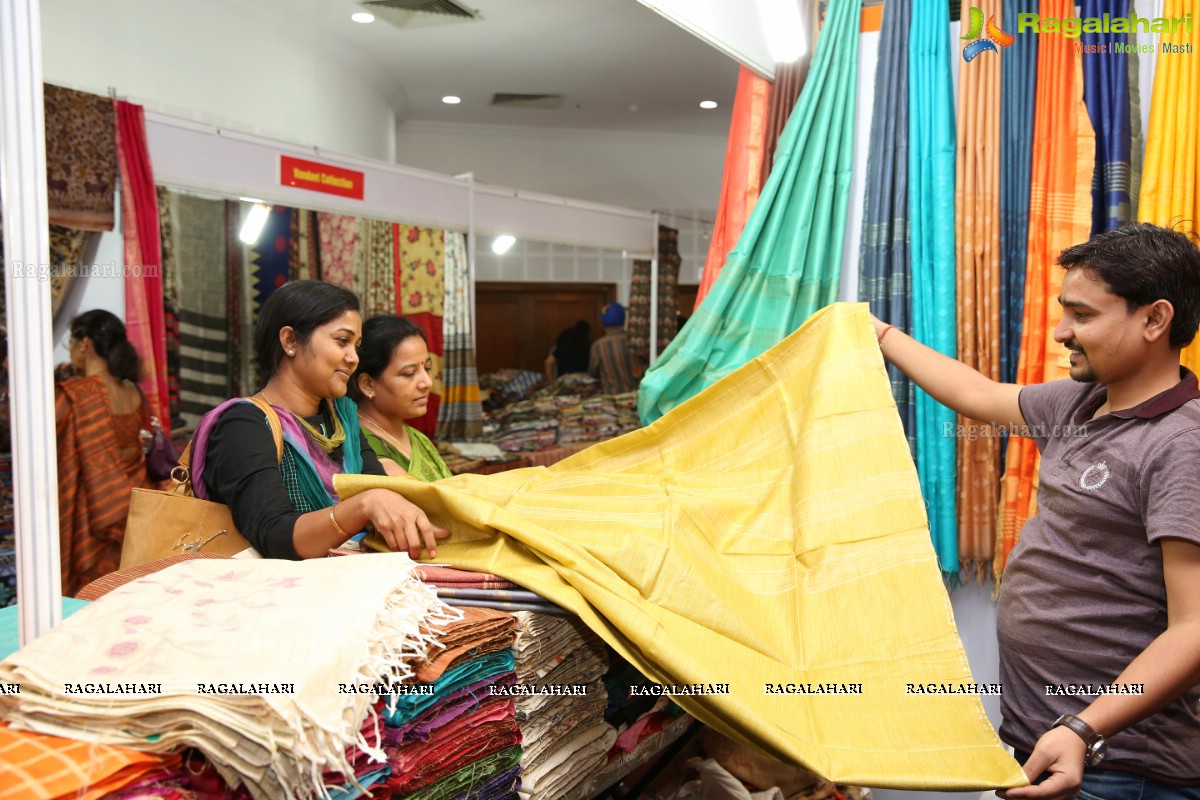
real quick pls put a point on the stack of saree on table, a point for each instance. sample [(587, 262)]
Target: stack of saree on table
[(560, 662), (767, 534), (244, 660), (447, 733)]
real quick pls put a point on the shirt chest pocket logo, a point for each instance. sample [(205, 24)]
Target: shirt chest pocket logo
[(1094, 476)]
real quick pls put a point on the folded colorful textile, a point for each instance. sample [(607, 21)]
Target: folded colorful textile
[(403, 708), (509, 606), (158, 661), (447, 735), (470, 746), (449, 576), (799, 558), (482, 780), (49, 767), (478, 631), (465, 701)]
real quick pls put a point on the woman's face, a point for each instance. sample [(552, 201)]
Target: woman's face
[(324, 364), (77, 350), (402, 391)]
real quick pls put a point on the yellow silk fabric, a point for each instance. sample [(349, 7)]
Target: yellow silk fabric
[(1170, 194), (769, 530)]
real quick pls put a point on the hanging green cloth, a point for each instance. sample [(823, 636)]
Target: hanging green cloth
[(787, 263), (931, 154)]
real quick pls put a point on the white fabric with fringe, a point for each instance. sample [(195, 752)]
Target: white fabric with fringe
[(241, 659)]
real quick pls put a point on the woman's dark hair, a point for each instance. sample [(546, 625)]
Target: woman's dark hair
[(303, 306), (107, 333), (381, 336), (1142, 263)]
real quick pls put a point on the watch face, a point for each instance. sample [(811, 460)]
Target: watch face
[(1097, 752)]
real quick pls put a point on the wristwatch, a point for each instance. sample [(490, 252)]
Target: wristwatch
[(1096, 746)]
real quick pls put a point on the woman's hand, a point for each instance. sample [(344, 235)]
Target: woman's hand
[(879, 325), (403, 525)]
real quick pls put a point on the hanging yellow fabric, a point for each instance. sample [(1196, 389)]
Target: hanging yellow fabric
[(1170, 192), (768, 534), (1060, 215)]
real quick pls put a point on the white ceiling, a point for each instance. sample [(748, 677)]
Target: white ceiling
[(607, 57)]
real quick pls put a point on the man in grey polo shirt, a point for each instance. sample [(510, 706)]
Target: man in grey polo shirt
[(1099, 615)]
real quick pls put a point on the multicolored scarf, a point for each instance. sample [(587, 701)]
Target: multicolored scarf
[(314, 467)]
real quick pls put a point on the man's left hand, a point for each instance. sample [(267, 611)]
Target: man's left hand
[(1060, 752)]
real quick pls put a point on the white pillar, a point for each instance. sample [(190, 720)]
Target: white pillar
[(27, 247)]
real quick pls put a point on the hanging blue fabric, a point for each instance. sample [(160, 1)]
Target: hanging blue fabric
[(885, 280), (1106, 94), (932, 149), (1018, 92), (787, 262)]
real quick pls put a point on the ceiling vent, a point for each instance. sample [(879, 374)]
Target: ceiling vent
[(527, 100), (419, 13)]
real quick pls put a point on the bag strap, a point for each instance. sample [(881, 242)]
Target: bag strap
[(185, 458)]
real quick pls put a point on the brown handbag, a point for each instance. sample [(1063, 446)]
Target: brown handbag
[(174, 521)]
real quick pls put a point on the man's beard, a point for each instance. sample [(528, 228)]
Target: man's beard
[(1082, 373)]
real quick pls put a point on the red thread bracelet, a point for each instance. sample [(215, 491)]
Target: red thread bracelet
[(885, 333)]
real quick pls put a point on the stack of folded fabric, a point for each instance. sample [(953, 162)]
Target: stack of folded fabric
[(33, 765), (527, 425), (467, 589), (452, 732), (507, 386), (193, 656), (559, 667)]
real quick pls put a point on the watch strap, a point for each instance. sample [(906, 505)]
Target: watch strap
[(1091, 737)]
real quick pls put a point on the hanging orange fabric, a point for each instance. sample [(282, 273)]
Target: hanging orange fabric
[(1170, 193), (977, 242), (1060, 209), (741, 181)]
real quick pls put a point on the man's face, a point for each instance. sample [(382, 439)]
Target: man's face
[(1103, 335)]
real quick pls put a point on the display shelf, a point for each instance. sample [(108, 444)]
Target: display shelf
[(604, 782)]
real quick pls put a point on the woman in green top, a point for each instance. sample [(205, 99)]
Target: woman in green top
[(391, 385)]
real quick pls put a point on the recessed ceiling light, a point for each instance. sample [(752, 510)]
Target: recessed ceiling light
[(451, 100), (503, 243), (363, 17), (708, 103)]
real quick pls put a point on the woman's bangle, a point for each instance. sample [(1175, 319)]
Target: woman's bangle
[(885, 333), (333, 521)]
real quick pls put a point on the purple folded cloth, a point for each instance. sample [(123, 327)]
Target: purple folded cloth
[(499, 787), (449, 708)]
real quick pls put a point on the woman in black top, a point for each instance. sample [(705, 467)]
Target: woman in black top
[(306, 344)]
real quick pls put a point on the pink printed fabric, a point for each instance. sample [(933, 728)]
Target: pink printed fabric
[(338, 235)]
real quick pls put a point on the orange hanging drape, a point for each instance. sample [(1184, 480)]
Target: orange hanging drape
[(977, 278), (741, 182), (1060, 211), (1170, 193)]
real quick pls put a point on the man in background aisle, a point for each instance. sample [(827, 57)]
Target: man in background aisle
[(612, 360), (1099, 614)]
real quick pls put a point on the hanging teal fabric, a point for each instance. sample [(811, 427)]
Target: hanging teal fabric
[(787, 263), (932, 147), (885, 281)]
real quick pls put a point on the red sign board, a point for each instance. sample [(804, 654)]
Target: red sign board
[(317, 177)]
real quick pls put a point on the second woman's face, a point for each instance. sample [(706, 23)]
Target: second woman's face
[(326, 362), (402, 391)]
